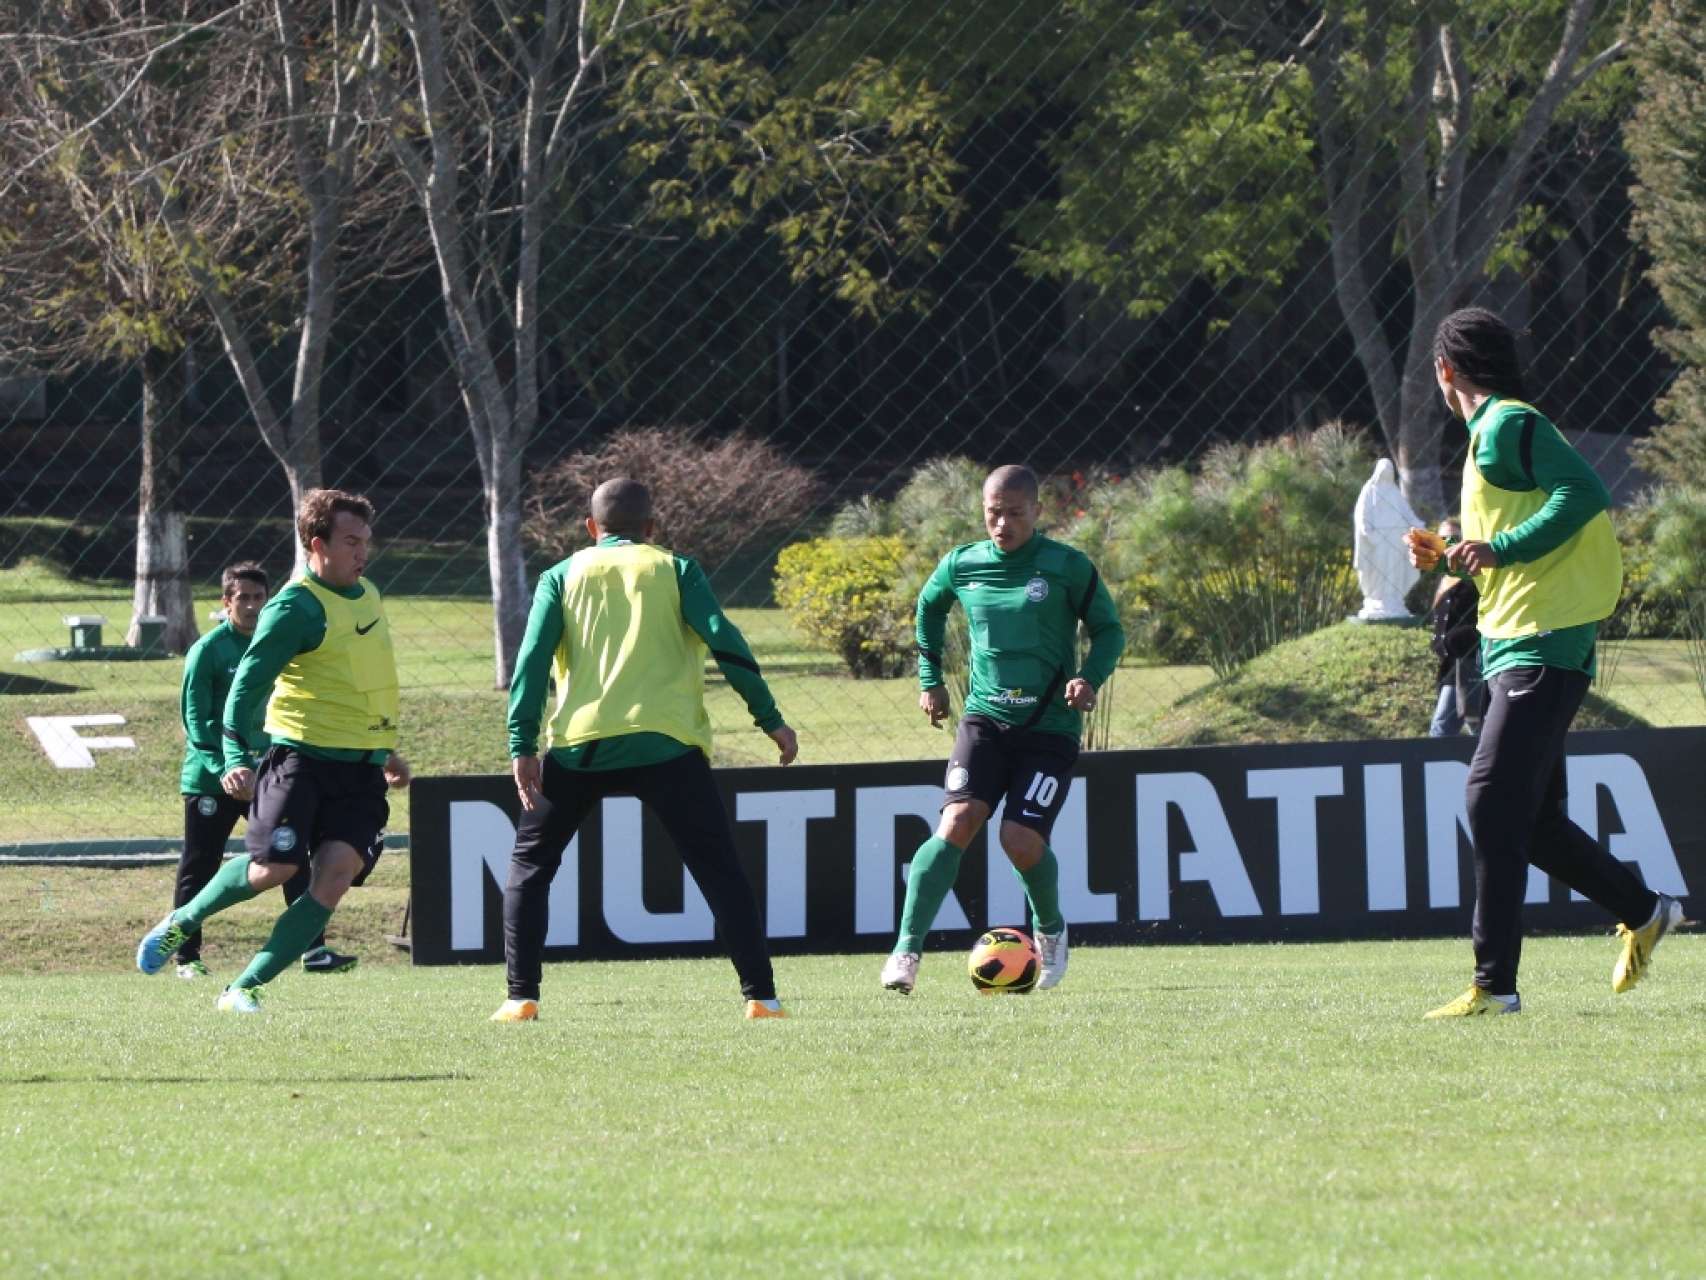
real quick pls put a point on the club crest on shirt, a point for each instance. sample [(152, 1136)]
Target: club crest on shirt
[(1036, 590)]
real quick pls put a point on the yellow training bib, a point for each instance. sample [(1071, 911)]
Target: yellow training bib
[(344, 693)]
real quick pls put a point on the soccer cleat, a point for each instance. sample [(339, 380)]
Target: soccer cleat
[(1052, 946), (1638, 944), (190, 970), (765, 1009), (239, 1000), (900, 972), (1476, 1001), (158, 945), (517, 1011), (325, 960)]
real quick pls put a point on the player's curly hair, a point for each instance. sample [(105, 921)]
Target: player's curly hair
[(1482, 347), (320, 508)]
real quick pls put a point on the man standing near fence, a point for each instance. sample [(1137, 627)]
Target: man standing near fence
[(1024, 596), (1542, 550), (623, 628), (321, 657), (209, 814)]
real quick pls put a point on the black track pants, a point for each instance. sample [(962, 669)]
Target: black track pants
[(1517, 817), (684, 796)]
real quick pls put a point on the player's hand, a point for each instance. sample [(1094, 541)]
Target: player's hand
[(1471, 557), (1080, 694), (527, 776), (933, 702), (787, 742), (1425, 547), (397, 772), (239, 784)]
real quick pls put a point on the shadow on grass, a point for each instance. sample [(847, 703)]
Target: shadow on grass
[(32, 685), (433, 1078)]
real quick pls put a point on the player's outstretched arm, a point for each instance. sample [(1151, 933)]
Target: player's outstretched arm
[(930, 627), (704, 615), (530, 681), (1101, 619), (292, 622)]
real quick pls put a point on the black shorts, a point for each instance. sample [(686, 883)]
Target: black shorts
[(302, 801), (1031, 771)]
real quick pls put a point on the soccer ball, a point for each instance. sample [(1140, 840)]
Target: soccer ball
[(1004, 960)]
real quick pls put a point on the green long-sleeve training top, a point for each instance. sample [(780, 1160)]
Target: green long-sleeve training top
[(209, 668), (1023, 609)]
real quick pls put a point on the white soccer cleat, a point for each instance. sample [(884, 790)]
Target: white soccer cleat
[(900, 972), (1052, 946), (239, 1000)]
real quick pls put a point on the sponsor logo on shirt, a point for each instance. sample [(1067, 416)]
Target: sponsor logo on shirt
[(1013, 698)]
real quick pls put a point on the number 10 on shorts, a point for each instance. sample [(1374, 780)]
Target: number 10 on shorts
[(1042, 790)]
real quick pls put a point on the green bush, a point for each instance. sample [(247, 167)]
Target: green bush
[(840, 593), (1251, 548), (1663, 539), (937, 509)]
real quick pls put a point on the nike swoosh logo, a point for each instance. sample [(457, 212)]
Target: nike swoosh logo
[(1519, 693), (1027, 813), (361, 631)]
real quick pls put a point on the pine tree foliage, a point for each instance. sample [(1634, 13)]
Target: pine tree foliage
[(1667, 139)]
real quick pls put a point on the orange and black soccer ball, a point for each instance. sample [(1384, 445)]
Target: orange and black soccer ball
[(1004, 960)]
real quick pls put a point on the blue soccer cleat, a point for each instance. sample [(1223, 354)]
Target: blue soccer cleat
[(159, 945)]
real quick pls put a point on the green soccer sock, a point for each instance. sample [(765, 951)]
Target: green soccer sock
[(229, 886), (935, 867), (1042, 888), (302, 922)]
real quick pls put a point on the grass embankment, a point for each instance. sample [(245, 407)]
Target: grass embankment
[(1181, 1111), (1348, 682)]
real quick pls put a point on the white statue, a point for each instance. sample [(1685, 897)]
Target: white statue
[(1383, 565)]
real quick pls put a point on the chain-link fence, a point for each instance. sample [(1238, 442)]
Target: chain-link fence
[(810, 269)]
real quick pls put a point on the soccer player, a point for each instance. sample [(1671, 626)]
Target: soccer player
[(623, 627), (210, 814), (1537, 540), (1024, 596), (322, 651)]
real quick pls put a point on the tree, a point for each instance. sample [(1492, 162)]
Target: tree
[(493, 109), (106, 108), (346, 213), (1667, 140), (1215, 141), (1423, 122)]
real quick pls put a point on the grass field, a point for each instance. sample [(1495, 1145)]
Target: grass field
[(1177, 1111), (1169, 1111)]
